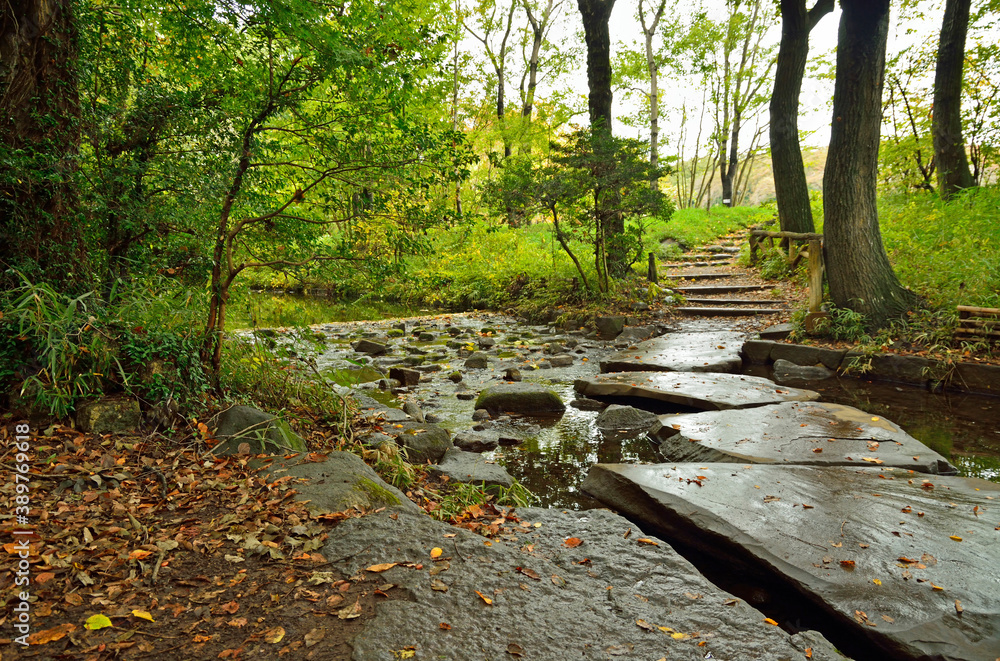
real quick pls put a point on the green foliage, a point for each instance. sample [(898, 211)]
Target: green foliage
[(695, 227), (948, 252)]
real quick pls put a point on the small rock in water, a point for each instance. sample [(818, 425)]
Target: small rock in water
[(561, 361), (512, 374), (585, 404), (412, 410), (465, 396), (477, 361), (455, 377), (480, 414)]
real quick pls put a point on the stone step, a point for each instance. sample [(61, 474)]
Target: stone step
[(734, 301), (681, 265), (698, 276), (720, 289), (704, 256), (728, 312)]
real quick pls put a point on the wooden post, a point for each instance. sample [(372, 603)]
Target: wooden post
[(651, 275), (753, 248), (815, 285)]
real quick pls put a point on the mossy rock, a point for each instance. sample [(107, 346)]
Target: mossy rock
[(263, 432), (526, 398)]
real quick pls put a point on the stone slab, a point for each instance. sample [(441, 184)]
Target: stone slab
[(709, 351), (877, 551), (472, 468), (792, 433), (550, 601), (710, 392)]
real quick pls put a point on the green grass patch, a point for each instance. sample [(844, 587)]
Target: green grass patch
[(695, 227), (948, 252)]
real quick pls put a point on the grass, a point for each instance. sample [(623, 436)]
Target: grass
[(695, 227), (948, 252)]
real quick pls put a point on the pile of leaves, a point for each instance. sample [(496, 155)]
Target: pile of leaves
[(141, 548)]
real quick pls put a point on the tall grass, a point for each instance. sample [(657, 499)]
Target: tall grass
[(695, 227), (948, 252)]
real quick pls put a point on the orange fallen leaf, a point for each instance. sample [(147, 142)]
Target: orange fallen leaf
[(644, 540), (436, 552), (955, 537), (848, 564), (489, 602), (51, 635), (573, 542), (770, 621), (444, 626), (382, 567)]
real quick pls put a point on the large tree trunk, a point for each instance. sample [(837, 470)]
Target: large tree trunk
[(949, 147), (790, 187), (860, 275), (596, 14), (39, 116)]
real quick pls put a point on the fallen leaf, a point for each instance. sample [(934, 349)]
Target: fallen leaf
[(530, 573), (382, 567), (955, 537), (817, 450), (876, 581), (937, 587), (731, 602), (139, 554), (444, 626), (809, 652), (515, 650), (770, 621), (51, 635), (143, 615), (558, 581), (644, 540), (274, 635), (958, 607), (888, 619), (643, 624), (872, 460), (436, 552), (489, 602), (847, 564), (314, 636), (439, 585), (350, 612), (807, 507), (97, 622), (573, 542)]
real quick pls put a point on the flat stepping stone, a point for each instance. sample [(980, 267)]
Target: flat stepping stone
[(720, 289), (896, 564), (709, 392), (813, 433), (716, 351), (561, 586), (729, 312)]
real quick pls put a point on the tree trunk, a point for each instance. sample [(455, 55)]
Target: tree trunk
[(596, 14), (39, 116), (949, 147), (654, 90), (790, 187), (860, 275)]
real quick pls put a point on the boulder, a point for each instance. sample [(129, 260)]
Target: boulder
[(472, 468), (480, 414), (486, 342), (413, 410), (777, 332), (477, 361), (406, 377), (707, 351), (700, 391), (896, 565), (526, 398), (625, 418), (342, 482), (788, 372), (512, 374), (477, 441), (262, 432), (369, 347), (109, 416), (757, 352), (564, 603), (634, 334), (423, 441), (608, 328), (813, 433)]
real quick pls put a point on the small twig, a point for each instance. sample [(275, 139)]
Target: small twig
[(842, 527), (159, 562), (154, 635), (346, 557), (457, 552)]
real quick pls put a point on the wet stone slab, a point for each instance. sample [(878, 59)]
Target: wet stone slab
[(898, 563), (709, 392), (560, 585), (814, 433), (710, 351)]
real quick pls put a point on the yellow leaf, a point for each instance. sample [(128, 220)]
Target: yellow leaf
[(955, 537), (678, 636), (436, 552), (384, 566), (770, 621), (144, 615), (274, 635), (484, 598), (97, 622), (937, 587), (644, 540), (876, 581), (404, 654)]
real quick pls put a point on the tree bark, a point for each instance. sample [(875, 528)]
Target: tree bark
[(596, 14), (949, 148), (39, 127), (790, 187), (860, 275)]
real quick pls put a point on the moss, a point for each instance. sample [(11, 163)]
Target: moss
[(376, 493)]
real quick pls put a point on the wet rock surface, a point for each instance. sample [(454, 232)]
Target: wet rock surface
[(700, 391), (472, 468), (522, 397), (812, 433), (896, 561), (787, 372), (423, 441), (710, 351), (550, 600), (625, 418)]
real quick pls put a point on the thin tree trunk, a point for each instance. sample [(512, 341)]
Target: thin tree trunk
[(454, 110), (949, 147), (654, 91), (790, 187), (860, 275)]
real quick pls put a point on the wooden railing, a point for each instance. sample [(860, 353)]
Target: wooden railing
[(978, 323), (800, 245)]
